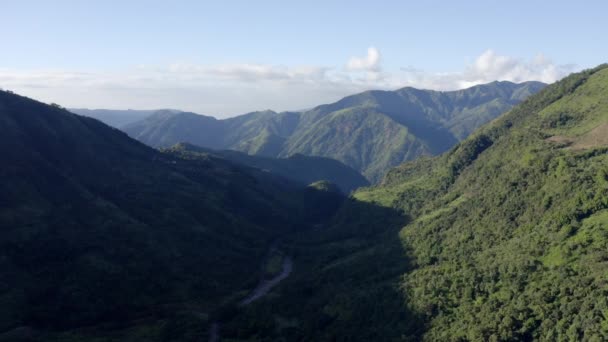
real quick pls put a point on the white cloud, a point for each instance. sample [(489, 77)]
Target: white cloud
[(488, 67), (491, 66), (371, 62), (231, 89)]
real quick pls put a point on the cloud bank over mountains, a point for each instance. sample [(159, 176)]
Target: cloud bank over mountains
[(488, 67), (230, 89)]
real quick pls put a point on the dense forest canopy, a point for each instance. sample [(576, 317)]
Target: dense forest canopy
[(503, 237)]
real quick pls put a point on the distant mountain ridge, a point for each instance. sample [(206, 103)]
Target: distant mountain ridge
[(299, 168), (502, 238), (370, 132), (508, 230), (114, 117)]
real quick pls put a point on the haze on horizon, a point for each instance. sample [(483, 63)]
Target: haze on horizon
[(229, 58)]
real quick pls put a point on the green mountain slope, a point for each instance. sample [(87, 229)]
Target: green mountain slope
[(164, 128), (503, 238), (100, 231), (370, 132), (508, 232), (298, 168), (360, 137), (261, 133)]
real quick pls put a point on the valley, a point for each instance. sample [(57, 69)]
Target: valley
[(370, 132), (262, 289), (501, 237), (504, 219), (303, 171)]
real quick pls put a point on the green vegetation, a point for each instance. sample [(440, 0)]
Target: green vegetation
[(344, 286), (298, 168), (502, 238), (370, 132), (507, 241), (103, 238)]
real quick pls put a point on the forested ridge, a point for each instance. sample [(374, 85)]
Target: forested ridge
[(370, 131), (502, 238), (509, 229), (297, 168), (104, 237)]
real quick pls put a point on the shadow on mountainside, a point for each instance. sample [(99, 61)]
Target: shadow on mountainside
[(344, 286)]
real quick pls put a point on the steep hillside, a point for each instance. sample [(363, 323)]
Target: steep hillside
[(262, 133), (360, 137), (509, 230), (100, 231), (370, 132), (298, 168), (503, 238)]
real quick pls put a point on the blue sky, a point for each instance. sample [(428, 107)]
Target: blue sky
[(229, 57)]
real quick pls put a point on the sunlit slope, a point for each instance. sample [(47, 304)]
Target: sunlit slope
[(509, 230)]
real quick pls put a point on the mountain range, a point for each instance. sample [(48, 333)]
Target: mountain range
[(502, 238), (370, 132), (113, 117), (298, 168), (100, 230)]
